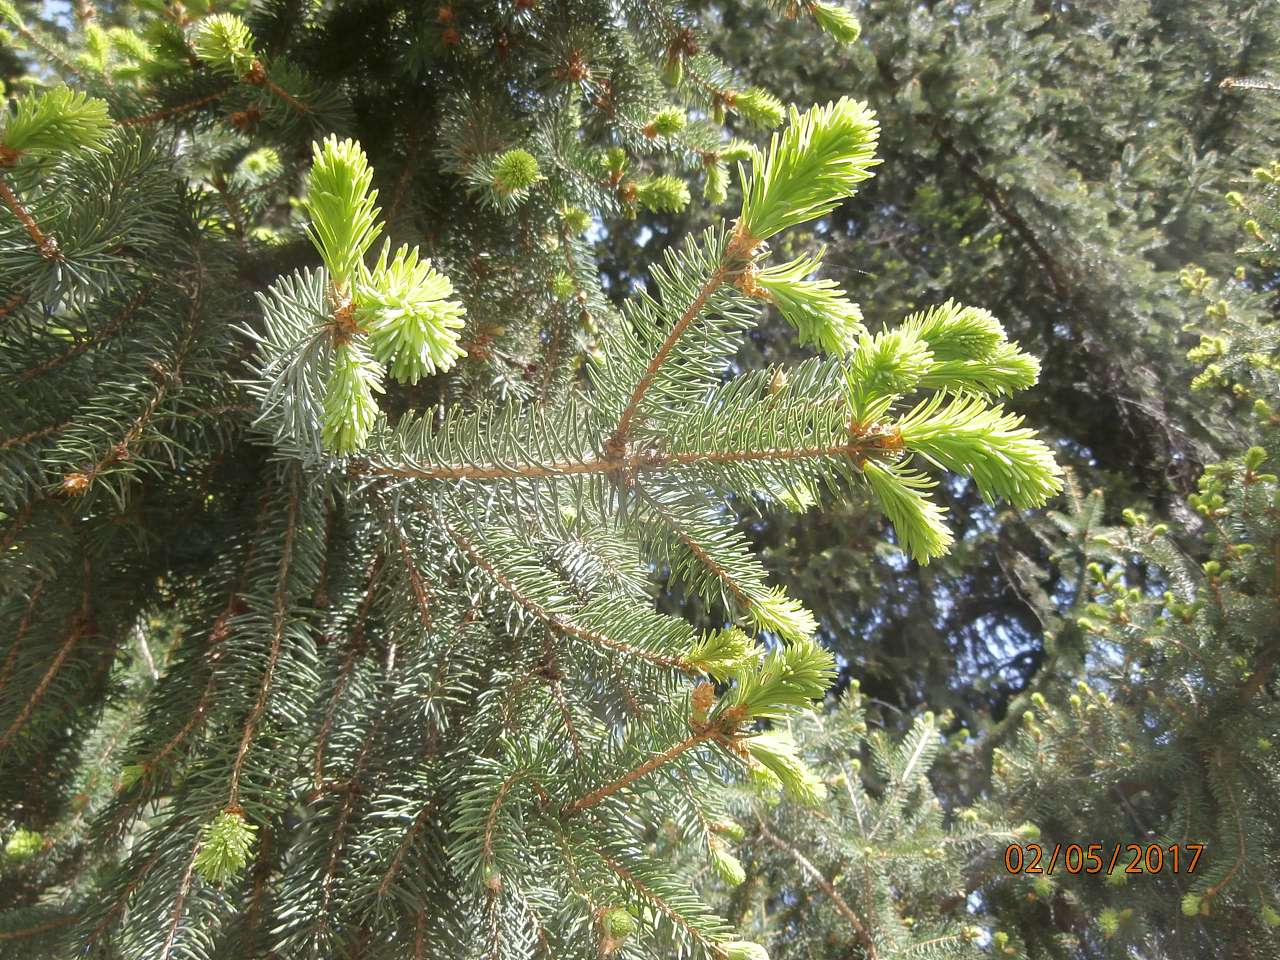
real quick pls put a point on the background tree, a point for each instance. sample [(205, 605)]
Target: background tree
[(329, 624), (1057, 164)]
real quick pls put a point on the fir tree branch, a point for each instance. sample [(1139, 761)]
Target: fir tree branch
[(38, 928), (702, 556), (45, 244), (6, 669), (416, 584), (106, 332), (352, 792), (858, 448), (258, 77), (122, 899), (733, 257), (12, 304), (715, 731), (184, 889), (81, 625), (658, 901), (354, 647), (277, 640), (394, 867), (177, 110), (555, 621), (491, 818), (859, 928), (25, 438)]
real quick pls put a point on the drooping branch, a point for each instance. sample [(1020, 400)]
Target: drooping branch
[(273, 655), (814, 874), (45, 244), (711, 732), (556, 622), (645, 462), (81, 625)]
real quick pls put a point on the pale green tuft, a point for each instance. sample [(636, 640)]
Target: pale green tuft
[(22, 845), (224, 41), (967, 436), (667, 122), (818, 310), (777, 752), (350, 410), (722, 653), (816, 162), (742, 950), (715, 189), (225, 848), (782, 614), (759, 107), (618, 922), (404, 308), (56, 121), (726, 864), (663, 194), (344, 221), (790, 677), (917, 520), (836, 21), (513, 173)]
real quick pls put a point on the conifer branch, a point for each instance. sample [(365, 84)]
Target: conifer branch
[(12, 304), (859, 928), (715, 731), (703, 557), (81, 625), (98, 336), (175, 111), (11, 659), (658, 901), (184, 888), (45, 244), (354, 648), (416, 584), (277, 639), (350, 794), (858, 449), (24, 438), (258, 77), (491, 819), (402, 847), (555, 621), (691, 313)]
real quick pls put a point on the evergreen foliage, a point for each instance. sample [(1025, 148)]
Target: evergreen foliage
[(337, 489), (1173, 713), (329, 626), (1055, 164)]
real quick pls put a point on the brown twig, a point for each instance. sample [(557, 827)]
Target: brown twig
[(713, 732), (45, 244), (859, 928), (273, 655), (174, 111)]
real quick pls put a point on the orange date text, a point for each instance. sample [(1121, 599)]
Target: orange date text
[(1077, 858)]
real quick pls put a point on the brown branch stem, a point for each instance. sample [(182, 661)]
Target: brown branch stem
[(277, 641), (712, 732), (859, 928), (45, 244), (555, 621)]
